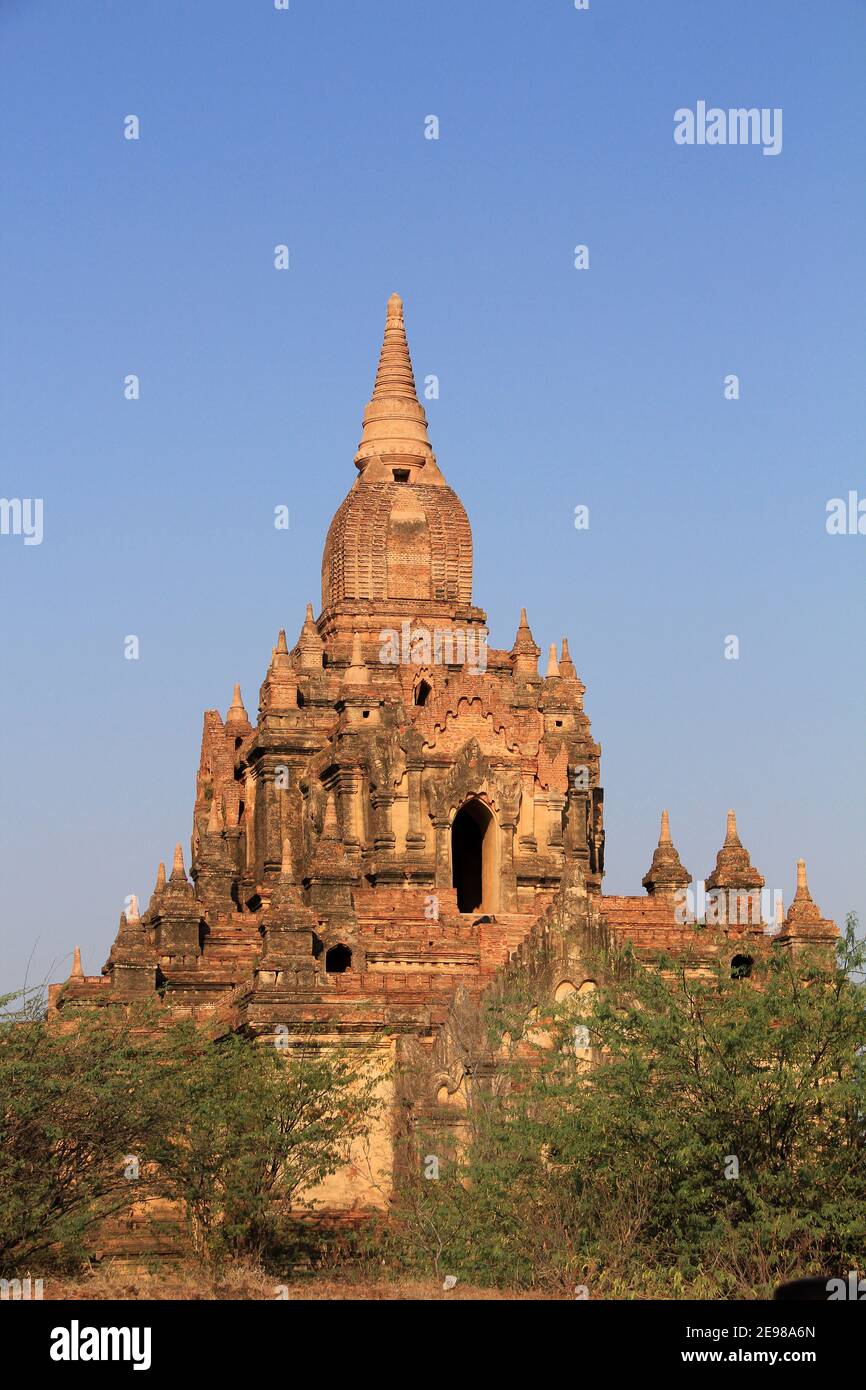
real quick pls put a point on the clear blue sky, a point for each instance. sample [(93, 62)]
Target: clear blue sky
[(558, 387)]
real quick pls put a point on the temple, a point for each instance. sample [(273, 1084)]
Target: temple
[(412, 814)]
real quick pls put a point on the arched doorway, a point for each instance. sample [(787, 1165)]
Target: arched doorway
[(473, 857)]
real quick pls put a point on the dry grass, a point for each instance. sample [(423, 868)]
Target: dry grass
[(190, 1281)]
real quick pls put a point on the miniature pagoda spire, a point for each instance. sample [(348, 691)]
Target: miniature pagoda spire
[(159, 890), (280, 688), (178, 872), (237, 713), (802, 894), (736, 879), (330, 863), (524, 651), (77, 971), (288, 932), (133, 916), (395, 426), (566, 665), (310, 646), (156, 897), (552, 661), (734, 868), (666, 873), (356, 671), (286, 894), (804, 920)]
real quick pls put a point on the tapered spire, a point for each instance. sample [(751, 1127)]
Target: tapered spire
[(395, 426), (133, 916), (666, 873), (566, 665), (356, 671), (178, 873), (310, 645), (524, 651), (236, 712), (734, 868), (279, 690), (804, 919), (286, 893), (394, 376), (157, 894), (77, 972), (552, 661)]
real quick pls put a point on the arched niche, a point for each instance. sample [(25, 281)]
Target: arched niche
[(474, 860)]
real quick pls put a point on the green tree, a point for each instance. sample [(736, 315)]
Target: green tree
[(236, 1133), (719, 1145), (254, 1128), (73, 1103)]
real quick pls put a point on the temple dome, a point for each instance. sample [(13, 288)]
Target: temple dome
[(401, 533)]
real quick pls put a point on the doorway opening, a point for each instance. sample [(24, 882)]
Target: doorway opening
[(473, 857)]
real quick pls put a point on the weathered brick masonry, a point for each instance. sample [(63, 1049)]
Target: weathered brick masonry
[(406, 816)]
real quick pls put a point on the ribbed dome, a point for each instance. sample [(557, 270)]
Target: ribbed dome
[(398, 540), (401, 533)]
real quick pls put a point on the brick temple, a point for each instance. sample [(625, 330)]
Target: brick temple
[(411, 815)]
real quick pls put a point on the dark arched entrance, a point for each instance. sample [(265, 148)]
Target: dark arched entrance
[(472, 857)]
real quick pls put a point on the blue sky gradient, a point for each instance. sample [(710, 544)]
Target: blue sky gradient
[(559, 387)]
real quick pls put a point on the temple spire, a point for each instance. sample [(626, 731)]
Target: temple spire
[(394, 439), (178, 872), (524, 651), (666, 874), (552, 661), (734, 868), (77, 972), (394, 375), (566, 665), (236, 712), (804, 920), (310, 645), (356, 671)]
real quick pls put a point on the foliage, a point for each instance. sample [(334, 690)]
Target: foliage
[(231, 1131), (72, 1103), (256, 1127), (718, 1147)]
